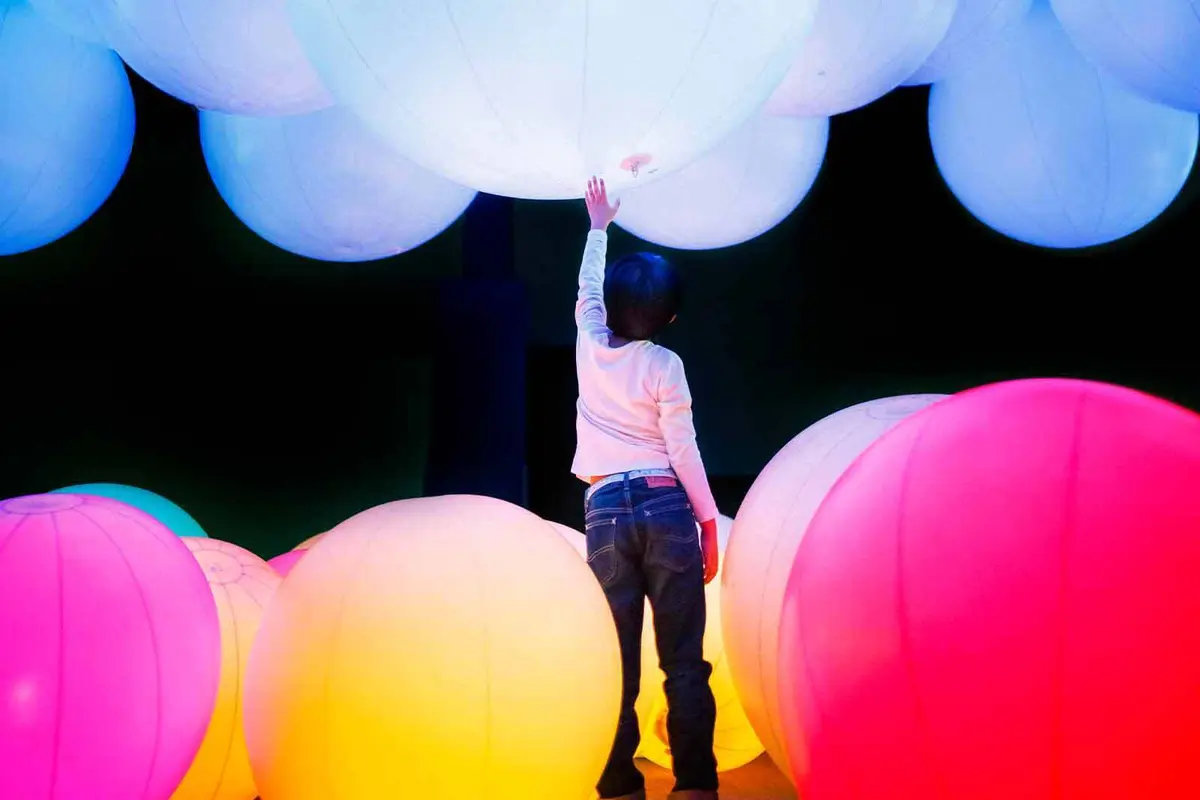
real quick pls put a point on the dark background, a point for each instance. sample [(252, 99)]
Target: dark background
[(164, 345)]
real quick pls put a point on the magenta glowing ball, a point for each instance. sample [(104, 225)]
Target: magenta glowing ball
[(283, 563), (110, 653), (999, 600)]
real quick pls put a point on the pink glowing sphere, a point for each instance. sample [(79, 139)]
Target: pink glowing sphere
[(110, 651), (283, 563), (999, 599)]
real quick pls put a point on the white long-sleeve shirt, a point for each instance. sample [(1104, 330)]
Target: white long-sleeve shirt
[(635, 407)]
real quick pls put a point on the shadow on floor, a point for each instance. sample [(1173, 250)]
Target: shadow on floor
[(759, 780)]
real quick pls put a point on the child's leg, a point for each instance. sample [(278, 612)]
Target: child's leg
[(613, 559), (674, 570)]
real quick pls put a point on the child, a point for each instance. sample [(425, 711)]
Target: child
[(637, 449)]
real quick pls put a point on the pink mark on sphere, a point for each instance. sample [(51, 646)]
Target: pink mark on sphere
[(633, 164)]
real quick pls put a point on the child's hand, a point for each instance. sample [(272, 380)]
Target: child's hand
[(708, 546), (599, 210)]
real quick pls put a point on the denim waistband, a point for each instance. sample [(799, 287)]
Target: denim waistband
[(621, 477)]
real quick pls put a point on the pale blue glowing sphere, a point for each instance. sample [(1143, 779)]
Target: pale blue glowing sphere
[(740, 189), (858, 51), (76, 17), (236, 56), (1041, 146), (66, 129), (1151, 46), (321, 186), (976, 25)]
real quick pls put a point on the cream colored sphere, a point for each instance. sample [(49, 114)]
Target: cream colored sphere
[(765, 539)]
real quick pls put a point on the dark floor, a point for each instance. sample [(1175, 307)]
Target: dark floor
[(759, 780)]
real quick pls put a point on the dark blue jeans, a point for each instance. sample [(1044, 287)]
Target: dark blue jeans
[(642, 542)]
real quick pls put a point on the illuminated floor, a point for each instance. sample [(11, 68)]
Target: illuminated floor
[(757, 781)]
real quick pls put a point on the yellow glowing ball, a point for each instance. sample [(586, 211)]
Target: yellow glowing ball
[(574, 538), (735, 743), (439, 648), (242, 584), (309, 542)]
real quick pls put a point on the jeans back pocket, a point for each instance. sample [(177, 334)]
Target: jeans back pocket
[(601, 531), (672, 539)]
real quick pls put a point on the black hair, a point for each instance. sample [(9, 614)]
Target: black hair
[(642, 294)]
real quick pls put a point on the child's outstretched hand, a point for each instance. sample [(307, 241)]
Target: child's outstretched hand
[(708, 547), (599, 209)]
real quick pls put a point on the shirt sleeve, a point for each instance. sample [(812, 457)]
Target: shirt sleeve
[(589, 311), (679, 433)]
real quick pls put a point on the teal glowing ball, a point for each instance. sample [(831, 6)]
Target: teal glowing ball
[(172, 516)]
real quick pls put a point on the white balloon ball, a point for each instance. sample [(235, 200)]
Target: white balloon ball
[(236, 56), (76, 17), (1151, 46), (766, 536), (320, 185), (977, 24), (528, 99), (742, 188), (66, 129), (1039, 145), (858, 51)]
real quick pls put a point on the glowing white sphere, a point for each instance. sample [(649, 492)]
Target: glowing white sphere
[(236, 56), (76, 17), (858, 51), (742, 188), (1041, 146), (766, 536), (320, 185), (1150, 46), (66, 129), (528, 99), (976, 25)]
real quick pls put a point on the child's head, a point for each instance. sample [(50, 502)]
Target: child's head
[(642, 295)]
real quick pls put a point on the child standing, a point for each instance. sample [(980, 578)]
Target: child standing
[(637, 449)]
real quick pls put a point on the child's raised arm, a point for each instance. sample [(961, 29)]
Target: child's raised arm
[(589, 310)]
